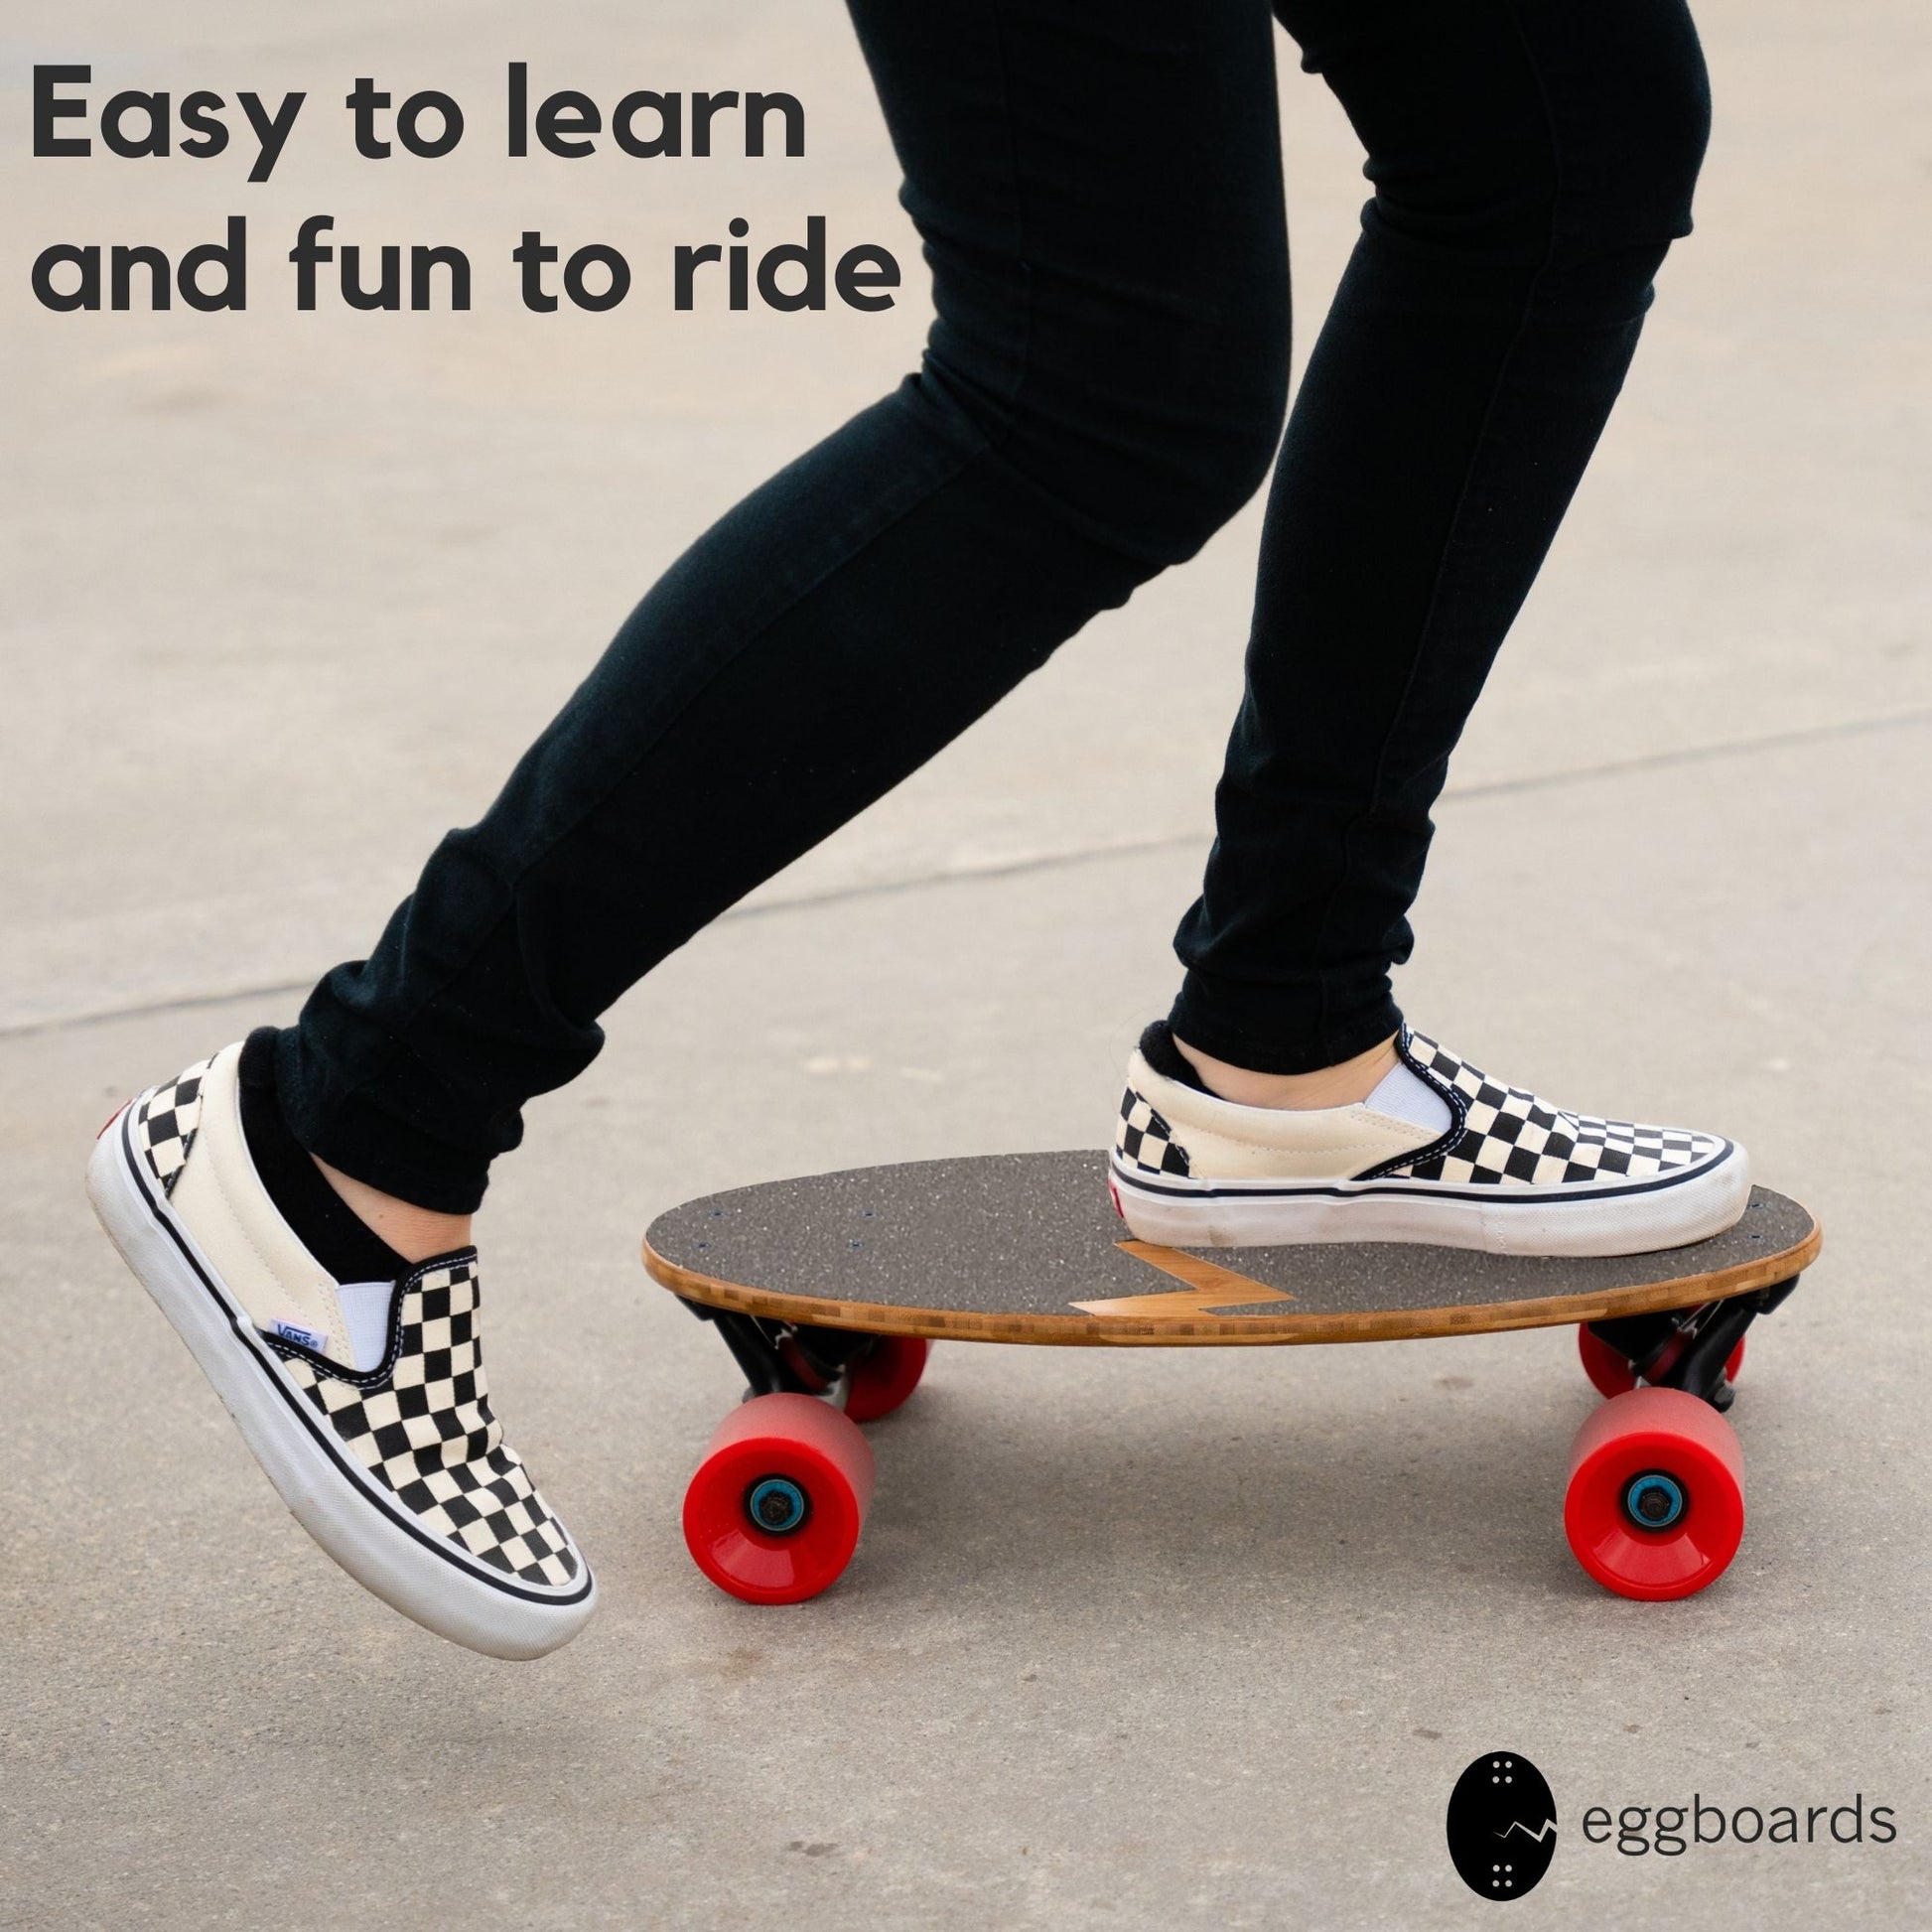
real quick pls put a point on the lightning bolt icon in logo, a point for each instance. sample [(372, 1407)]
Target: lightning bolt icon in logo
[(1516, 1825)]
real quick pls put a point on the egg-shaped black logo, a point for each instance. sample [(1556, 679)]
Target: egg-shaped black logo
[(1502, 1824)]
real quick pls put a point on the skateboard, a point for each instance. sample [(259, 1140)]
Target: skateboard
[(830, 1290)]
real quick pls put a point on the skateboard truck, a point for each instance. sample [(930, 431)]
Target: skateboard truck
[(1691, 1349), (784, 1357)]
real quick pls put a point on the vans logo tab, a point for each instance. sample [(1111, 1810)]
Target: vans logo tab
[(302, 1338)]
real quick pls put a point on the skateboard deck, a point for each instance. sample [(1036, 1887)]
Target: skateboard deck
[(1025, 1248), (829, 1290)]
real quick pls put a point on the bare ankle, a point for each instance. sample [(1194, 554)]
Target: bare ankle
[(414, 1232), (1341, 1085)]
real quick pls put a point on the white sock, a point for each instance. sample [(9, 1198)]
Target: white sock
[(1405, 1094)]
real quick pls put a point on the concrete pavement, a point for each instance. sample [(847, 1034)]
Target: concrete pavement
[(1132, 1640)]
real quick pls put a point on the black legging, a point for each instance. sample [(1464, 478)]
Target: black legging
[(1097, 183)]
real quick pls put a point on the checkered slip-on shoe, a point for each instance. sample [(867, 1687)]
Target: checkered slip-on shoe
[(1512, 1174), (364, 1403)]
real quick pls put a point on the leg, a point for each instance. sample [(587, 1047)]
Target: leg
[(1098, 193), (1532, 160)]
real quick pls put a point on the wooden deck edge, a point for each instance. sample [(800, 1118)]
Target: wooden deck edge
[(1238, 1330)]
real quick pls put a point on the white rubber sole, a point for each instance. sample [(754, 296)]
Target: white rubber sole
[(327, 1491), (1624, 1219)]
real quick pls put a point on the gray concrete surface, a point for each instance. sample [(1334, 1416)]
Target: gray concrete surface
[(1135, 1640)]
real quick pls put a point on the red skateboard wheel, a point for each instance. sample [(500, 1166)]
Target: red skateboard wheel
[(1610, 1374), (1655, 1507), (774, 1512), (884, 1380)]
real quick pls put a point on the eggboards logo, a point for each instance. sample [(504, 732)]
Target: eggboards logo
[(1502, 1826)]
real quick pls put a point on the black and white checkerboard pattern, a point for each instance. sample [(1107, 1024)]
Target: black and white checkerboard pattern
[(1145, 1140), (425, 1429), (1512, 1139), (165, 1123)]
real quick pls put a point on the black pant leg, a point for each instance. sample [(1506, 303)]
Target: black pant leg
[(1097, 189), (1530, 161)]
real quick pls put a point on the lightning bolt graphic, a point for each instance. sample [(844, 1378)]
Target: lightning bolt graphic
[(1210, 1287), (1517, 1825)]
